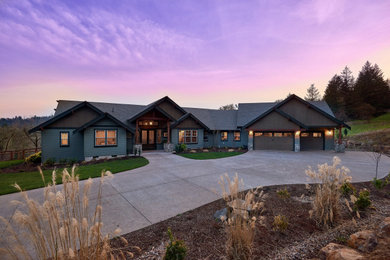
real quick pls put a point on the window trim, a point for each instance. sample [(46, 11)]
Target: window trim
[(234, 136), (227, 136), (190, 136), (105, 138), (64, 132)]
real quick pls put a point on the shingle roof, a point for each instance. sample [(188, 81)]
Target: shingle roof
[(214, 119)]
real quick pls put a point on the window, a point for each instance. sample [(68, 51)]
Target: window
[(188, 136), (287, 134), (305, 135), (224, 136), (278, 134), (148, 123), (105, 137), (267, 134), (64, 139), (258, 134), (237, 136), (317, 135)]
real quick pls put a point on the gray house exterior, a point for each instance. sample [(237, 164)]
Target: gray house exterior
[(82, 130)]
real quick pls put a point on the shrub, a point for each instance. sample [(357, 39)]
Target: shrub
[(49, 162), (326, 202), (280, 223), (240, 224), (62, 227), (179, 148), (72, 162), (283, 193), (363, 201), (176, 249), (62, 161), (347, 189), (379, 184), (34, 158)]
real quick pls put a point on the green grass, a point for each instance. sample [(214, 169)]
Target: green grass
[(363, 126), (6, 164), (209, 155), (33, 180)]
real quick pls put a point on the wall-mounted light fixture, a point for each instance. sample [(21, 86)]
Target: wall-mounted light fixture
[(250, 133), (297, 133), (329, 132)]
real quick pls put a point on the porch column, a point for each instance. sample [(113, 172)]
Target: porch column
[(297, 141), (250, 140), (169, 132), (137, 141), (340, 134)]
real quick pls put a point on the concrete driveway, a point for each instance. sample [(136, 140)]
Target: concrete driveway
[(171, 184)]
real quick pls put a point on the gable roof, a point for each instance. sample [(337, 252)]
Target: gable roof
[(189, 115), (101, 117), (314, 105)]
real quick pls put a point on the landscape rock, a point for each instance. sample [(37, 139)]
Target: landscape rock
[(231, 150), (193, 151), (205, 150), (384, 228), (364, 241), (326, 250), (345, 254), (221, 215)]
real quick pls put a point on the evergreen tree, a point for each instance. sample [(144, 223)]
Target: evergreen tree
[(312, 94), (372, 89), (332, 93)]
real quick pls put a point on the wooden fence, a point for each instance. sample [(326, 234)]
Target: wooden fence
[(17, 155)]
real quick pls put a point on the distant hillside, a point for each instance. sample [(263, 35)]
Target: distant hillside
[(364, 126), (19, 121)]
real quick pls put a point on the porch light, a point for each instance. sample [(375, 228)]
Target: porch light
[(297, 133), (250, 133), (151, 123), (329, 132)]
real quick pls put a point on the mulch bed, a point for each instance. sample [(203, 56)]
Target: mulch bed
[(205, 237), (30, 167)]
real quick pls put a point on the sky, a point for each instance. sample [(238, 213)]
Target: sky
[(200, 53)]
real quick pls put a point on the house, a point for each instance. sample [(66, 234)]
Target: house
[(86, 130)]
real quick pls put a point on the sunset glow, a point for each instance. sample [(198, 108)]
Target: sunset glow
[(199, 53)]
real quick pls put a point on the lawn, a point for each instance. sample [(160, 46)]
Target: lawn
[(209, 155), (5, 164), (33, 180), (362, 126)]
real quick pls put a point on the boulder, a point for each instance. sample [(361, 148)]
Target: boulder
[(205, 150), (364, 241), (221, 215), (231, 150), (326, 250), (345, 254), (384, 228), (193, 151)]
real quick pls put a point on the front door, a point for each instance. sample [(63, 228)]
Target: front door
[(148, 139)]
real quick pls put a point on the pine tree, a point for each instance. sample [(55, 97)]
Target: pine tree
[(331, 96), (372, 88), (312, 94)]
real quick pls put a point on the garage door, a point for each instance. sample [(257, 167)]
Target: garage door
[(273, 141), (312, 141)]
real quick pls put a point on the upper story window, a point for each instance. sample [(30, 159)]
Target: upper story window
[(105, 137), (64, 139), (148, 123), (188, 136), (224, 136), (237, 136)]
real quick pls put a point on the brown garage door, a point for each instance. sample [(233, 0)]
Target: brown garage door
[(312, 141), (273, 141)]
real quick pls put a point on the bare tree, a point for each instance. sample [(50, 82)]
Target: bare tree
[(375, 152), (35, 138)]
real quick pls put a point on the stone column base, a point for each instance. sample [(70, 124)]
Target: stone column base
[(137, 149), (339, 148), (168, 147)]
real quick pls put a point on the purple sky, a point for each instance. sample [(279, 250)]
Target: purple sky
[(200, 53)]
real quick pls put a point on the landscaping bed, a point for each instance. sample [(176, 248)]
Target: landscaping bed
[(211, 153), (28, 177), (205, 237)]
